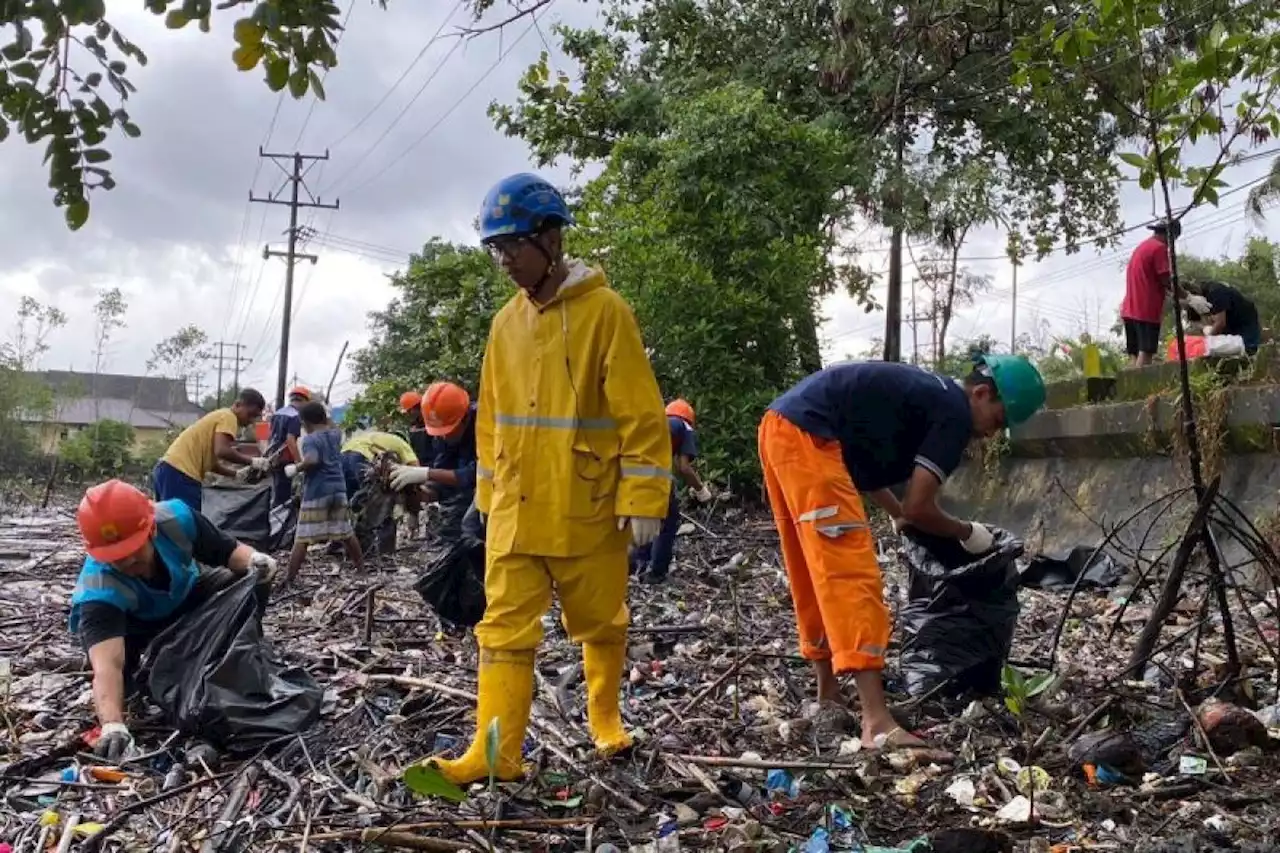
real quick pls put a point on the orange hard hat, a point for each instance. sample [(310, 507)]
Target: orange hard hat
[(444, 406), (681, 409), (115, 520), (300, 391), (409, 401)]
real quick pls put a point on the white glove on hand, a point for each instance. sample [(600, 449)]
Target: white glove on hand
[(980, 539), (242, 474), (1199, 304), (404, 476), (643, 530), (1207, 331), (264, 563), (291, 470), (704, 495), (260, 463), (114, 743)]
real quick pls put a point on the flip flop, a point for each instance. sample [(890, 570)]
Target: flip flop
[(887, 741)]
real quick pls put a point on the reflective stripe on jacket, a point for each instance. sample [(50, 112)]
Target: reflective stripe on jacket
[(173, 540), (570, 428)]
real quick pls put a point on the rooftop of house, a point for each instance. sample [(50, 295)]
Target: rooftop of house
[(147, 402)]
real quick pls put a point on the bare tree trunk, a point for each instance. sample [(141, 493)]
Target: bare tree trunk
[(949, 302)]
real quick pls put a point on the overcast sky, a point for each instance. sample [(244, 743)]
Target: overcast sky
[(179, 238)]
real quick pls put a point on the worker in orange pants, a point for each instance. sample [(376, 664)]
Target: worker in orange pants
[(860, 428)]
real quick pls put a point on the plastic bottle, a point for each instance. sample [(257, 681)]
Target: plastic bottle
[(668, 840)]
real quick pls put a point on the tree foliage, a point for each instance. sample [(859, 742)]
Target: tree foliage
[(101, 449), (177, 356), (64, 78), (435, 328)]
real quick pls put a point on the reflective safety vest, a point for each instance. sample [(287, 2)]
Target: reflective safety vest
[(173, 541)]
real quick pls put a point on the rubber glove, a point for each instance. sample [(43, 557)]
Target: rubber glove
[(704, 495), (260, 463), (264, 563), (980, 539), (291, 470), (1199, 304), (404, 476), (1207, 331), (114, 743), (643, 530)]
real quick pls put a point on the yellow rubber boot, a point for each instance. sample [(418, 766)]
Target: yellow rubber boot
[(602, 665), (506, 693)]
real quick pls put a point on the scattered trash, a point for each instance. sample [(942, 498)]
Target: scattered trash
[(1095, 570), (1231, 728), (1192, 765)]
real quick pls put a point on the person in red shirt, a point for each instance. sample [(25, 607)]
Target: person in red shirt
[(1147, 281)]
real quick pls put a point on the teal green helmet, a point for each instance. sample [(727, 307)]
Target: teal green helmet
[(1018, 383)]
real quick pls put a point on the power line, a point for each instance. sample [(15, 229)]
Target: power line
[(448, 112), (403, 75)]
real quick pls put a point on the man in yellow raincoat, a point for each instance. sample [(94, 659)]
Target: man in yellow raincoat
[(574, 467)]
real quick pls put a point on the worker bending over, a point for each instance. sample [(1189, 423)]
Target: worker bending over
[(206, 447), (148, 566), (358, 453), (856, 429), (286, 431), (651, 562), (574, 466), (449, 420), (1224, 310)]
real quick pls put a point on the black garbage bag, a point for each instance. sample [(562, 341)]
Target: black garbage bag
[(453, 583), (961, 613), (215, 676), (1046, 571)]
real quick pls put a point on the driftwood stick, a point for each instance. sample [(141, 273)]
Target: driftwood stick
[(752, 764), (529, 823)]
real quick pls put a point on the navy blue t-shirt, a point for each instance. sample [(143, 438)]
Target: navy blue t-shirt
[(888, 418), (458, 455), (684, 441), (284, 423)]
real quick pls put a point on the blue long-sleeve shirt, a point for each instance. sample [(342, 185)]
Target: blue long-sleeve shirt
[(457, 454)]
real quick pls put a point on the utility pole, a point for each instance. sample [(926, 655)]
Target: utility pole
[(1013, 322), (295, 182), (196, 381), (893, 307), (235, 358)]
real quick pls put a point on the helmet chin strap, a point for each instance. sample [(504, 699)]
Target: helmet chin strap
[(546, 273)]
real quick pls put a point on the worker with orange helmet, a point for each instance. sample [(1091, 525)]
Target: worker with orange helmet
[(286, 429), (411, 407), (148, 566), (651, 562), (448, 417)]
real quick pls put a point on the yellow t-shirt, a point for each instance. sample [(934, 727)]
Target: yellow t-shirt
[(192, 451), (368, 444)]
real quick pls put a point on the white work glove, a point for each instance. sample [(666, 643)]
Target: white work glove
[(1199, 304), (242, 474), (1207, 331), (404, 476), (114, 743), (704, 495), (264, 563), (260, 463), (980, 539), (643, 530), (291, 470)]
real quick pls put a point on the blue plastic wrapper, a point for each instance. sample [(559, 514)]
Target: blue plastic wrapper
[(819, 842)]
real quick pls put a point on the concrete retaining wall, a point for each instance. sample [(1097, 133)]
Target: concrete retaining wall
[(1103, 462)]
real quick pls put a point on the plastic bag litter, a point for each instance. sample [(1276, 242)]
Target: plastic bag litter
[(1057, 572), (961, 612), (453, 583), (245, 513), (215, 675)]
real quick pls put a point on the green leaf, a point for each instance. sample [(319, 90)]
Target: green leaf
[(96, 155), (1209, 194), (426, 780), (298, 83), (93, 79), (77, 214), (131, 130), (176, 19), (317, 85), (492, 743), (277, 73), (1137, 161), (25, 70), (1037, 684)]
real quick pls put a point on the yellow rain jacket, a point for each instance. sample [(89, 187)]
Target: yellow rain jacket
[(570, 429)]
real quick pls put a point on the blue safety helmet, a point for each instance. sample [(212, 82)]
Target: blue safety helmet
[(522, 204)]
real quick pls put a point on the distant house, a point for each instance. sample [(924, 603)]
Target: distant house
[(150, 404)]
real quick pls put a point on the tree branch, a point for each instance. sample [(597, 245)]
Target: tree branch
[(472, 32)]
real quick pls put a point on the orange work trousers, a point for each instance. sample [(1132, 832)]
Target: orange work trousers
[(827, 547)]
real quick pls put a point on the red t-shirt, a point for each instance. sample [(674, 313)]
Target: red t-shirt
[(1143, 293)]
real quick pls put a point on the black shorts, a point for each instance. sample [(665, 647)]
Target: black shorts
[(1140, 337)]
